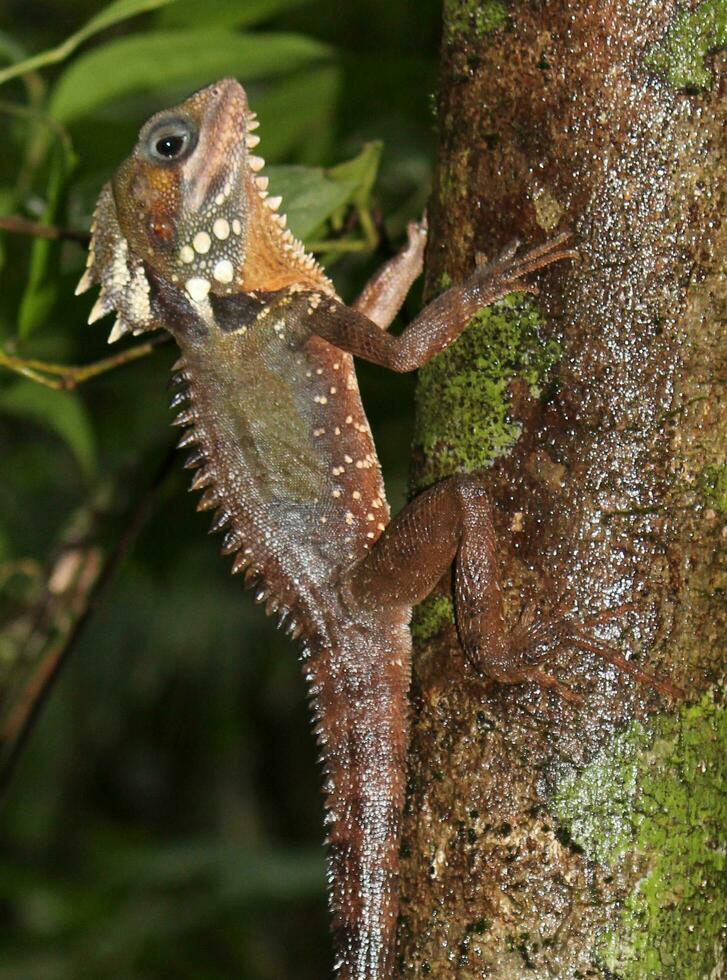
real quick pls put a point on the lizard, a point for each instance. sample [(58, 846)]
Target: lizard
[(187, 238)]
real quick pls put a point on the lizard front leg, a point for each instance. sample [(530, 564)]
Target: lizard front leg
[(382, 296), (443, 320), (452, 524)]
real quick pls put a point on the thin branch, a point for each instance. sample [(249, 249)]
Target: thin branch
[(65, 377), (76, 582), (22, 226)]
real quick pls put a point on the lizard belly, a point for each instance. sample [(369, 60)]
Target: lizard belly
[(290, 455)]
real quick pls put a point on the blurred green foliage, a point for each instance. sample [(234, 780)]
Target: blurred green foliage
[(164, 820)]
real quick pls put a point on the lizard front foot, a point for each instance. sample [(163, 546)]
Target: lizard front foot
[(506, 273)]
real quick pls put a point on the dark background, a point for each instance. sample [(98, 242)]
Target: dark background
[(165, 819)]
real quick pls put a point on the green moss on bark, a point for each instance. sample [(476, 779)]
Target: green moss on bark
[(462, 396), (474, 17), (713, 484), (659, 797), (430, 618), (692, 36)]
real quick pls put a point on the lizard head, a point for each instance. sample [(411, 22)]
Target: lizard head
[(190, 208)]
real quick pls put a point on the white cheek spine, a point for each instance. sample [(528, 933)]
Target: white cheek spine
[(121, 274)]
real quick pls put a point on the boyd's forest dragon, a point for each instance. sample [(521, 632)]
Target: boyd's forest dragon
[(186, 238)]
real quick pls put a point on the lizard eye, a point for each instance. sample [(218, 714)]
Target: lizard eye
[(171, 140)]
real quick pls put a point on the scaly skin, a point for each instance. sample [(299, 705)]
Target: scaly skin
[(185, 238)]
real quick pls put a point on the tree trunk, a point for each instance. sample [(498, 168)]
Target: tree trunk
[(544, 838)]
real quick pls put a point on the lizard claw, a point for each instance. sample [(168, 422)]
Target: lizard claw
[(417, 231)]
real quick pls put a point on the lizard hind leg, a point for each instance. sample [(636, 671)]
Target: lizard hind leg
[(452, 524)]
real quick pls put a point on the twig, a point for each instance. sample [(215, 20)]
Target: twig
[(22, 226), (66, 377), (77, 579)]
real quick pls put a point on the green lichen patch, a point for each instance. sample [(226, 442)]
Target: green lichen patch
[(713, 484), (474, 17), (462, 398), (659, 796), (548, 210), (430, 617), (680, 55)]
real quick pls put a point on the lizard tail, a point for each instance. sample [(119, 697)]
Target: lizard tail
[(360, 706)]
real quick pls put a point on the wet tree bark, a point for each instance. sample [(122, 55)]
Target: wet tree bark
[(541, 838)]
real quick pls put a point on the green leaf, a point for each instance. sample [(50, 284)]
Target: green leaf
[(362, 170), (4, 544), (10, 49), (312, 195), (62, 412), (297, 114), (163, 58), (8, 198), (41, 288), (113, 14), (309, 195), (224, 13)]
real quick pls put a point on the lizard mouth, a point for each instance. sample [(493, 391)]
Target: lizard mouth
[(212, 172)]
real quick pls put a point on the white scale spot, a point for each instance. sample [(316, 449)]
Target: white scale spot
[(223, 271), (348, 459), (236, 226), (198, 289), (349, 517), (349, 419), (356, 495), (336, 493), (337, 431), (333, 391), (324, 520), (370, 534), (221, 229), (186, 253), (202, 242), (220, 199)]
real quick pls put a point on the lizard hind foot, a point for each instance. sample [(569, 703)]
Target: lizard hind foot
[(536, 639)]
